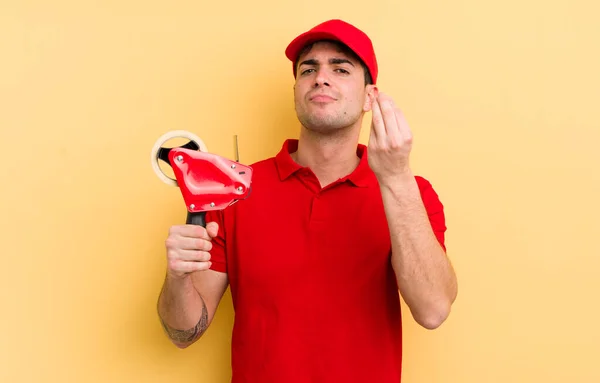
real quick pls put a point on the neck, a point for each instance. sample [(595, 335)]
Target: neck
[(330, 157)]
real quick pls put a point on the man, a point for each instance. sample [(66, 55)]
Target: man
[(317, 256)]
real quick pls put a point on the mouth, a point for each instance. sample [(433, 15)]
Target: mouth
[(321, 98)]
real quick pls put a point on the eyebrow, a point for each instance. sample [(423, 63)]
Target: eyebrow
[(331, 61)]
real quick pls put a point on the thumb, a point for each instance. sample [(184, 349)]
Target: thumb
[(212, 228), (372, 136)]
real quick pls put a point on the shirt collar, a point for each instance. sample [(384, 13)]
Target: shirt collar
[(362, 176)]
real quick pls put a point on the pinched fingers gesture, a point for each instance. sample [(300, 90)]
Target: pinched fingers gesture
[(390, 140)]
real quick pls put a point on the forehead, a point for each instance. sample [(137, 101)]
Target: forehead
[(327, 49)]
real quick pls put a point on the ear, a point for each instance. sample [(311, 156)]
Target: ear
[(371, 92)]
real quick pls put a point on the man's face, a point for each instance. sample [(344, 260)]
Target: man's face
[(330, 91)]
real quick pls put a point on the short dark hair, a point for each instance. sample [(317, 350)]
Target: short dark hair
[(345, 49)]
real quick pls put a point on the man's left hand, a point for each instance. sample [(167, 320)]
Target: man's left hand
[(390, 141)]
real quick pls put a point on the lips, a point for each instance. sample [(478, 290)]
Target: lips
[(322, 98)]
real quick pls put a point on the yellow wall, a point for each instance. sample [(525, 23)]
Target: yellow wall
[(503, 99)]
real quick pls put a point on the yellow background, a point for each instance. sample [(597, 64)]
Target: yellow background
[(503, 99)]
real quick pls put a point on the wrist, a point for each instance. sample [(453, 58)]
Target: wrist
[(178, 279), (400, 179)]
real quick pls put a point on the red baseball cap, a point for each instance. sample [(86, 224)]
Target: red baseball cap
[(340, 31)]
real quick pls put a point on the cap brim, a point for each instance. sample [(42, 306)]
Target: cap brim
[(294, 48)]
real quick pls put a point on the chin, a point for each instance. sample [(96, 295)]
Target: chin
[(319, 123), (325, 122)]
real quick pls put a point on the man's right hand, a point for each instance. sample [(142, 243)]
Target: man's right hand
[(188, 248)]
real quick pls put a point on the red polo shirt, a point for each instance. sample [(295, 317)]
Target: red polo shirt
[(314, 293)]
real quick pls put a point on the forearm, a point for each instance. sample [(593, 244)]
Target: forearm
[(182, 311), (425, 276)]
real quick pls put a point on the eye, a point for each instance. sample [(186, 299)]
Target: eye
[(342, 70), (306, 71)]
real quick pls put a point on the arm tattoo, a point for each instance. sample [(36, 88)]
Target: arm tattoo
[(191, 334)]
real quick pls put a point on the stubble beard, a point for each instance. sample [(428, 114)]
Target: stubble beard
[(326, 123)]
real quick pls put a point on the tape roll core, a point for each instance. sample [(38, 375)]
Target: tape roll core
[(165, 137)]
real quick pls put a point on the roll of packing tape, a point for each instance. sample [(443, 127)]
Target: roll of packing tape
[(158, 145)]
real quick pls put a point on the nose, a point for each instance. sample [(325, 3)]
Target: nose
[(321, 78)]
